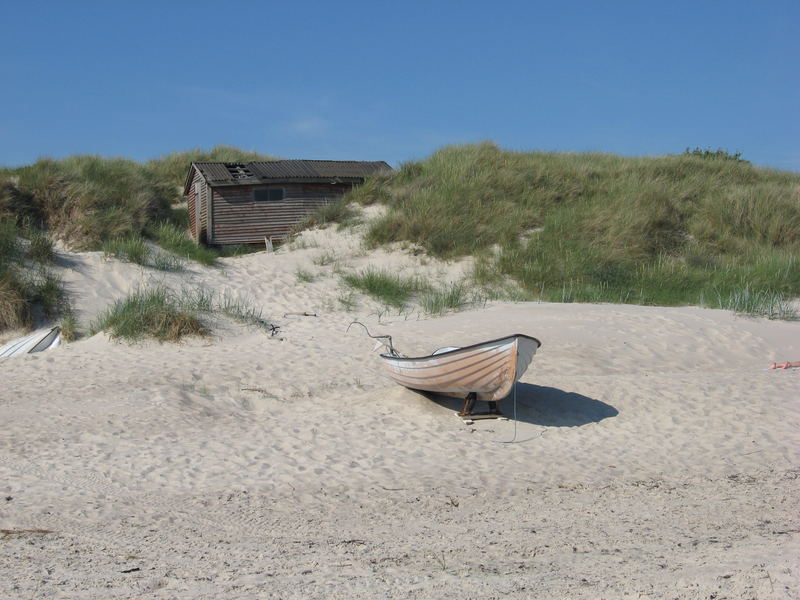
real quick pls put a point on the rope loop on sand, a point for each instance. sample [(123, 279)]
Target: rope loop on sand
[(513, 440)]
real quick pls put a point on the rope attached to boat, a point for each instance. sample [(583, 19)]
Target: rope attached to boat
[(389, 345)]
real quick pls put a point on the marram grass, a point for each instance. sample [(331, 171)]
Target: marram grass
[(670, 230), (165, 315), (153, 312), (387, 287), (27, 284)]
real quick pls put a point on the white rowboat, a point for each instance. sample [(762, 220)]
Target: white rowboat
[(44, 339), (485, 371)]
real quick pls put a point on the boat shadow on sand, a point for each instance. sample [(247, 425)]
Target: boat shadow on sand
[(542, 405)]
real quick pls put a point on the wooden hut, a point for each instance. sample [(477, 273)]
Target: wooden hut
[(244, 203)]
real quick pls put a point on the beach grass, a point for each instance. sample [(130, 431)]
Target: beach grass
[(15, 310), (168, 315), (46, 290), (304, 276), (70, 330), (154, 312), (133, 249), (175, 238), (10, 249), (242, 310), (166, 261), (704, 227), (389, 288), (40, 246), (136, 249), (338, 211), (171, 169), (326, 257), (234, 250), (26, 281), (692, 228), (449, 297), (86, 200)]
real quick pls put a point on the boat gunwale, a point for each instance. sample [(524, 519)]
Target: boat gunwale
[(450, 352)]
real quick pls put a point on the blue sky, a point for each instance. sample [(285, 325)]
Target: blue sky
[(396, 80)]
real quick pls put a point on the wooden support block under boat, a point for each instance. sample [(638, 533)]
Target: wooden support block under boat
[(469, 404)]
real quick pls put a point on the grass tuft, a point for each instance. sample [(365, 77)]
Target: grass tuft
[(9, 243), (46, 290), (155, 312), (389, 288), (132, 249), (338, 211), (165, 261), (304, 276), (69, 327), (452, 297), (167, 316), (764, 303), (243, 311), (327, 257), (41, 247), (15, 310), (27, 286), (234, 250), (175, 239)]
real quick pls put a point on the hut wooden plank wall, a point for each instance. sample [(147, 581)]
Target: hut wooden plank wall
[(243, 203)]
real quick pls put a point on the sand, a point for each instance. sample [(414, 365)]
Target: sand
[(654, 455)]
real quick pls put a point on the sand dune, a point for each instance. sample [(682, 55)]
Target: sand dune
[(653, 453)]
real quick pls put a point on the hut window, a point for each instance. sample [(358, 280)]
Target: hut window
[(268, 195)]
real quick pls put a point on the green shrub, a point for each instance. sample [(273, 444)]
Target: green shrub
[(180, 217)]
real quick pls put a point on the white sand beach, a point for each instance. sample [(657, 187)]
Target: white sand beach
[(654, 455)]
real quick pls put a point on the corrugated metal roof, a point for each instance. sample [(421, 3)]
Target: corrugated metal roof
[(214, 171), (281, 170)]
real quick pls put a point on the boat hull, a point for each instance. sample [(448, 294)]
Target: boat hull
[(38, 341), (488, 369)]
